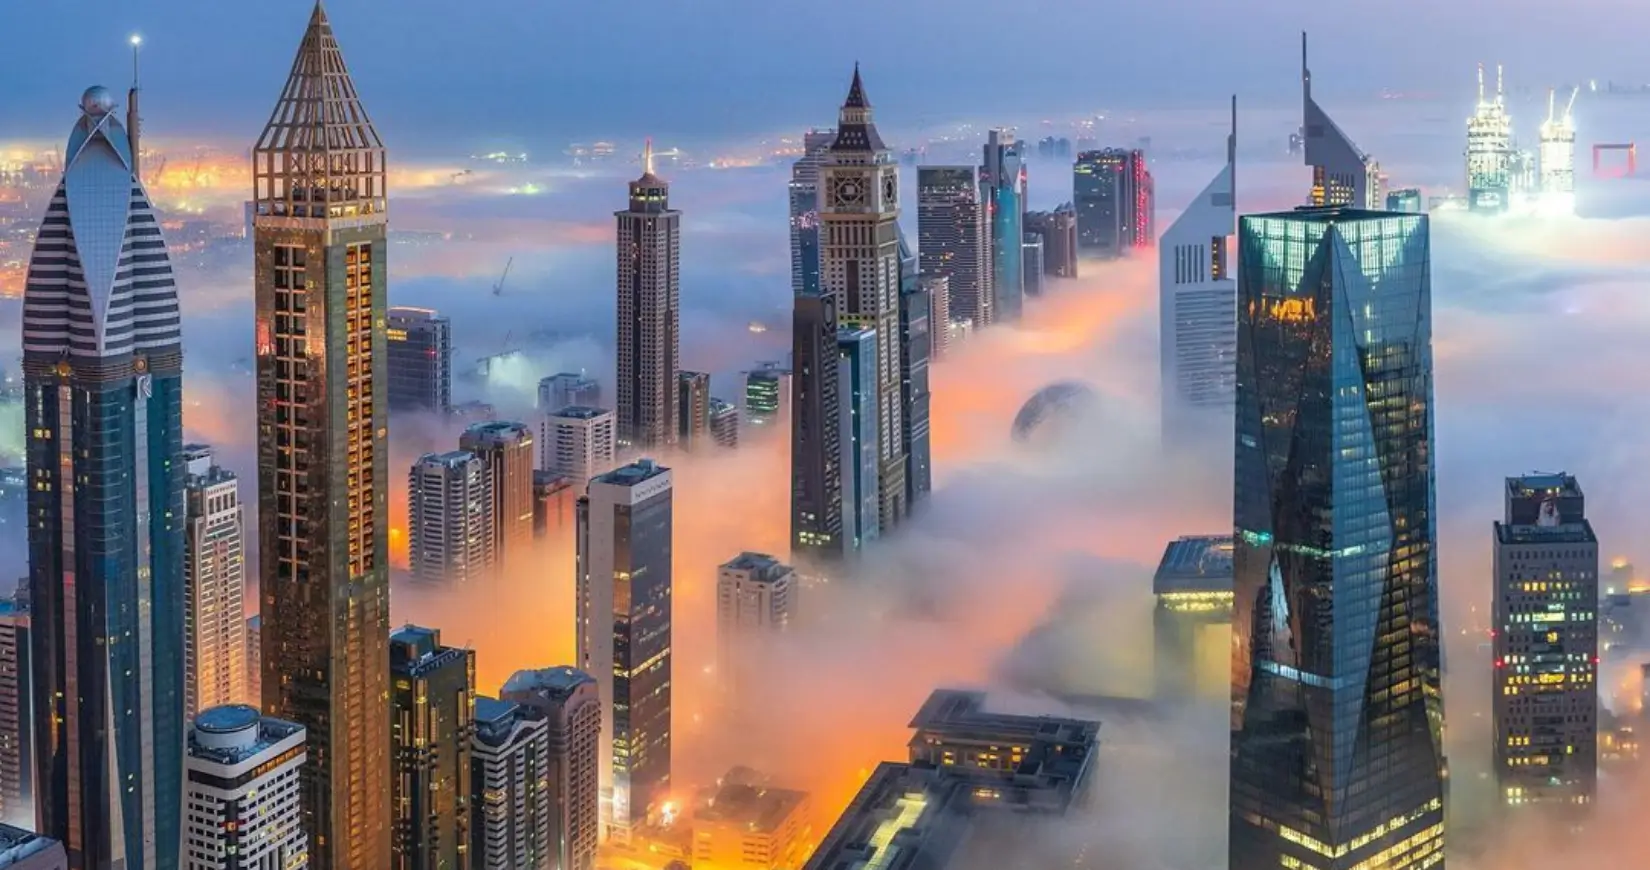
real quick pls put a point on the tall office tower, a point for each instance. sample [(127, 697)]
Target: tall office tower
[(1115, 200), (953, 240), (1405, 199), (1337, 706), (1489, 151), (724, 423), (860, 268), (450, 519), (510, 787), (623, 634), (432, 714), (650, 313), (243, 770), (323, 513), (568, 700), (419, 354), (578, 443), (506, 449), (1197, 306), (553, 497), (1341, 174), (938, 290), (254, 659), (1546, 646), (26, 850), (1003, 191), (1192, 622), (16, 719), (692, 409), (1558, 157), (916, 349), (1058, 230), (102, 370), (756, 595), (767, 398), (804, 198), (559, 391), (816, 432), (1031, 264), (214, 576), (857, 419)]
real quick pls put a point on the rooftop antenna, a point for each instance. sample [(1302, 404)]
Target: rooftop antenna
[(1306, 74), (1480, 83), (647, 156), (1498, 91), (1552, 96), (1231, 152), (133, 123)]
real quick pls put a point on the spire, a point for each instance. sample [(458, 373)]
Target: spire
[(1231, 152), (856, 93), (854, 129), (1306, 73), (1480, 83), (1498, 90), (647, 156), (133, 121)]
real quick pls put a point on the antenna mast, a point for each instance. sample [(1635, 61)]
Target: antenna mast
[(134, 124)]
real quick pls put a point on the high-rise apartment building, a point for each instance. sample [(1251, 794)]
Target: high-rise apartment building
[(650, 314), (1003, 191), (623, 634), (319, 248), (506, 449), (860, 269), (756, 596), (937, 288), (16, 713), (804, 202), (450, 519), (102, 374), (816, 431), (1337, 705), (693, 409), (1342, 175), (1197, 306), (419, 360), (1545, 643), (1115, 200), (242, 791), (724, 423), (567, 698), (954, 240), (858, 423), (254, 659), (1031, 264), (560, 390), (432, 715), (510, 796), (916, 349), (577, 442), (214, 576), (1058, 230), (767, 398)]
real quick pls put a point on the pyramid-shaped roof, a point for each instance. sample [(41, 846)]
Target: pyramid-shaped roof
[(319, 109)]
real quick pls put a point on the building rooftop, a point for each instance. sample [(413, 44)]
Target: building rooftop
[(213, 734), (407, 312), (1198, 563), (756, 807), (1330, 214), (581, 412), (17, 844), (1056, 746), (629, 475), (417, 651), (450, 459), (498, 429), (557, 682), (761, 565), (1559, 485), (903, 818)]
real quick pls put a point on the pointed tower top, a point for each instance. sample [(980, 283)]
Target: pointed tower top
[(856, 93), (854, 129), (647, 156)]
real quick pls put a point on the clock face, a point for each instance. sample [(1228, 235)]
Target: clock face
[(847, 192), (890, 191)]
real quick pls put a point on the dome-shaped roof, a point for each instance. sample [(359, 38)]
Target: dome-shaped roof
[(1060, 402)]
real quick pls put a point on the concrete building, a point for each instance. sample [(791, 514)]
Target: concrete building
[(506, 451), (1003, 191), (724, 423), (572, 707), (450, 519), (693, 409), (510, 796), (254, 658), (22, 849), (1031, 264), (1114, 197), (623, 634), (241, 791), (1058, 230), (554, 496), (214, 574), (560, 390), (649, 313), (756, 597), (916, 338), (432, 722), (16, 713), (938, 290), (1192, 622), (577, 442), (742, 822), (418, 343), (1342, 174), (857, 417), (953, 240), (767, 399), (1546, 696)]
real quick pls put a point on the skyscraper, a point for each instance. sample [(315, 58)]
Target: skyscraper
[(953, 240), (649, 320), (1341, 174), (816, 431), (860, 268), (858, 420), (16, 713), (102, 371), (756, 595), (450, 519), (323, 514), (419, 360), (254, 658), (1115, 201), (916, 348), (1031, 264), (1546, 646), (804, 201), (568, 700), (623, 634), (510, 795), (432, 711), (578, 443), (244, 808), (937, 288), (767, 398), (724, 423), (553, 501), (693, 409), (1058, 230), (506, 449), (560, 390), (1197, 305), (1003, 191), (214, 574), (1192, 622), (1337, 708)]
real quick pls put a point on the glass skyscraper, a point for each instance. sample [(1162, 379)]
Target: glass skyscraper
[(102, 367), (1337, 714), (1003, 190)]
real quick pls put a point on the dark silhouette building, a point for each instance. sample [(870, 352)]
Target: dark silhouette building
[(432, 711), (420, 360), (1113, 193)]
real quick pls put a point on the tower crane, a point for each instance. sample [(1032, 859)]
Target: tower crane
[(498, 289)]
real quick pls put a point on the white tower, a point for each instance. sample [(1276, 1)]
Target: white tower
[(214, 573), (242, 791)]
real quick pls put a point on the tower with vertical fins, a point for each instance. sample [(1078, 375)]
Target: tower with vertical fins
[(649, 305)]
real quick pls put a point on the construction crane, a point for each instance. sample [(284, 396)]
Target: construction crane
[(498, 289)]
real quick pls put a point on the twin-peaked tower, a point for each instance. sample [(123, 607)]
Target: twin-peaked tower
[(319, 247)]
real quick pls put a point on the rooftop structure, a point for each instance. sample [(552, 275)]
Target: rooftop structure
[(743, 821), (1195, 564), (1558, 157), (22, 849), (1341, 173)]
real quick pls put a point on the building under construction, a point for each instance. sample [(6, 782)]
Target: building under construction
[(1489, 150), (1558, 157)]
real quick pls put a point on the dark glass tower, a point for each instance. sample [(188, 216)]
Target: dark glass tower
[(432, 714), (1003, 190), (1337, 714), (420, 361), (816, 436), (916, 350), (649, 308), (323, 520), (102, 368)]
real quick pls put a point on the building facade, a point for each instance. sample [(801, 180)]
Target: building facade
[(1342, 175), (254, 659), (937, 289), (650, 315), (857, 418), (22, 849), (506, 451), (578, 442), (572, 707), (432, 715), (1192, 622), (560, 390), (450, 519), (693, 409), (804, 209), (419, 364), (1115, 200), (1003, 191), (214, 574), (756, 596), (103, 399), (319, 248), (1058, 230), (743, 821), (724, 423), (953, 240), (242, 793), (816, 431), (510, 797), (623, 634), (1337, 706), (1031, 264), (16, 714), (767, 398), (916, 350), (553, 499), (1546, 647)]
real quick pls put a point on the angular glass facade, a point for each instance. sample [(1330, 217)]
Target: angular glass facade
[(1337, 714), (1002, 189)]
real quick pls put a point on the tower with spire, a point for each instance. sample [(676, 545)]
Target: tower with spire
[(1341, 173), (319, 226), (648, 298)]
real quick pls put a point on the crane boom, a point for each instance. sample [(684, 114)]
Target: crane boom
[(498, 289), (1568, 107)]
